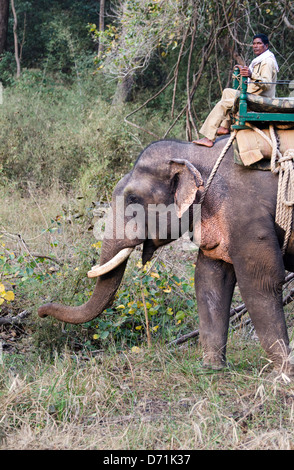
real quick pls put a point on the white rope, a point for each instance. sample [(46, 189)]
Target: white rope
[(285, 201), (217, 164)]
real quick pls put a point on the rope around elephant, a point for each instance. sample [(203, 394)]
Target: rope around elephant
[(217, 164)]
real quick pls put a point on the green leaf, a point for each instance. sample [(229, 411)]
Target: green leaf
[(104, 334)]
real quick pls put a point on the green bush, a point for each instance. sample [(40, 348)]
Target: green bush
[(49, 132), (151, 298), (55, 133)]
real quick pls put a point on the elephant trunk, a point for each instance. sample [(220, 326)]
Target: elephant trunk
[(104, 292)]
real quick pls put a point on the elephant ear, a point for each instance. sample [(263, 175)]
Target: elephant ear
[(186, 181)]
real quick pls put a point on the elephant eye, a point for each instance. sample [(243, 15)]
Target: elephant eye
[(133, 199)]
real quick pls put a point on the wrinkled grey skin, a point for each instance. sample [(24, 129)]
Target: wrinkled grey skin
[(240, 243)]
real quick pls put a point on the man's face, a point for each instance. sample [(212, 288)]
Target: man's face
[(259, 47)]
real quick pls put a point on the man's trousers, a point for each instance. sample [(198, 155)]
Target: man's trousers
[(219, 116)]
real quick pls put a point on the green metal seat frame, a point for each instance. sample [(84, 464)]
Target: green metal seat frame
[(250, 116)]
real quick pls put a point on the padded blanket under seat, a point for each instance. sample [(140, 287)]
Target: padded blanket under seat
[(263, 104), (251, 148)]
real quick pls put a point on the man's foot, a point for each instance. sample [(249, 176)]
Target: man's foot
[(205, 142), (222, 131)]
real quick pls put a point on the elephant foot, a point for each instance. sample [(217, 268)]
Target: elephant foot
[(214, 366), (214, 362)]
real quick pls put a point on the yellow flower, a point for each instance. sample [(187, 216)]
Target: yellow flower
[(155, 328), (96, 245), (146, 266), (155, 275), (95, 336), (8, 295), (138, 327), (135, 349), (2, 288), (167, 290), (121, 306)]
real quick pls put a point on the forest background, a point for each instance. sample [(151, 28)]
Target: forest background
[(104, 63), (86, 85)]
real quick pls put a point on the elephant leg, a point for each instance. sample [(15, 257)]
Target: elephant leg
[(260, 278), (214, 284)]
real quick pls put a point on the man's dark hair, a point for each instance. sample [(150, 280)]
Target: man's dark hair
[(263, 37)]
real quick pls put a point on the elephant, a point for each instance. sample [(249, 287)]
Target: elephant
[(240, 243)]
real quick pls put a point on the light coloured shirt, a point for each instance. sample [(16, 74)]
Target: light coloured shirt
[(263, 72)]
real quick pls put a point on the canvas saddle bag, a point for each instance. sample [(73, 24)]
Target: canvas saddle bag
[(252, 147)]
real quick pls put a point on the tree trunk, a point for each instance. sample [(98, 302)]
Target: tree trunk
[(17, 60), (123, 92), (4, 11), (101, 25)]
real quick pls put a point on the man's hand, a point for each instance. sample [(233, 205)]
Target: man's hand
[(244, 71)]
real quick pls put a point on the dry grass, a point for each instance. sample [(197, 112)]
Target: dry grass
[(33, 215), (154, 399)]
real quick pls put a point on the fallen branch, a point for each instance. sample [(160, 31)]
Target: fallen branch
[(18, 238), (51, 258), (289, 297), (17, 320), (185, 338)]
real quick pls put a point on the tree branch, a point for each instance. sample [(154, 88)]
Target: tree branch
[(18, 319), (287, 23)]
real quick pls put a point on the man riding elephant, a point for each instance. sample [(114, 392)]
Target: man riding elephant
[(262, 75)]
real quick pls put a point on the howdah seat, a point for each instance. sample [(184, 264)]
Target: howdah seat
[(255, 108)]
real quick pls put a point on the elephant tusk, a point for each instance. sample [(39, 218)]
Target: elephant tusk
[(111, 264)]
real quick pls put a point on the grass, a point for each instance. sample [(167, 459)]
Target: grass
[(59, 389), (155, 399)]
